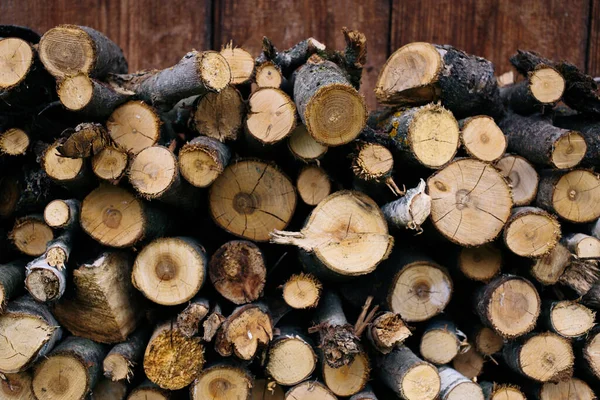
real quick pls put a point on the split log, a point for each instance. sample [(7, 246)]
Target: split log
[(329, 106), (543, 86), (291, 358), (43, 332), (480, 263), (304, 147), (62, 214), (289, 60), (470, 203), (568, 318), (105, 307), (486, 341), (536, 139), (366, 394), (44, 282), (149, 391), (110, 164), (12, 275), (590, 130), (455, 386), (240, 62), (70, 371), (521, 177), (509, 304), (14, 142), (171, 360), (410, 211), (188, 321), (349, 379), (237, 271), (309, 390), (202, 160), (119, 363), (114, 217), (420, 73), (268, 74), (387, 331), (263, 389), (442, 341), (219, 115), (302, 291), (590, 352), (68, 49), (470, 363), (494, 391), (71, 173), (482, 138), (408, 376), (196, 73), (582, 246), (170, 271), (568, 389), (361, 242), (87, 139), (549, 268), (531, 232), (91, 97), (16, 386), (134, 126), (222, 382), (30, 235), (106, 389), (573, 196), (271, 116), (252, 198), (542, 357), (212, 323), (313, 184)]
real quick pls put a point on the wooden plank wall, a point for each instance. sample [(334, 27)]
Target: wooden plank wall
[(156, 33)]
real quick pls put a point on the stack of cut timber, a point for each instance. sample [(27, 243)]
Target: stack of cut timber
[(242, 228)]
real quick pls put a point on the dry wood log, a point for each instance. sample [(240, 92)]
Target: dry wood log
[(455, 386), (571, 195), (237, 271), (582, 246), (302, 291), (202, 160), (531, 232), (196, 73), (480, 263), (542, 357), (374, 163), (14, 142), (470, 363), (62, 214), (482, 138), (470, 203), (291, 357), (30, 235), (410, 211), (568, 389), (509, 304), (333, 245), (115, 217), (219, 115), (105, 307), (110, 164), (304, 147), (536, 139), (119, 363), (442, 341), (494, 391), (149, 391), (16, 386), (106, 389), (44, 282), (43, 332), (271, 116), (329, 106), (590, 352), (549, 268), (212, 323), (134, 126), (188, 321), (12, 275), (252, 198), (408, 376), (222, 381), (486, 341), (349, 379), (543, 86), (267, 74), (68, 49), (309, 390), (240, 62), (87, 139), (170, 271), (71, 173), (313, 184), (521, 177), (590, 130), (171, 360), (387, 331), (420, 73), (289, 60), (365, 394), (567, 318), (263, 389)]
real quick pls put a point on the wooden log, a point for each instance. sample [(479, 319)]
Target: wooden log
[(62, 214), (410, 211), (589, 129), (302, 291), (509, 304), (569, 389), (531, 232), (455, 386), (115, 217), (30, 235), (313, 184), (149, 391), (571, 195), (43, 333), (567, 318), (521, 177), (71, 173), (44, 282), (329, 106), (16, 386), (304, 147), (263, 389), (110, 164), (486, 341), (119, 363), (582, 246), (548, 269), (366, 394), (271, 116), (24, 191), (14, 142), (202, 160), (595, 229), (373, 164), (469, 364), (542, 357), (482, 138), (219, 115), (442, 341), (70, 371), (481, 263), (309, 390), (134, 126), (12, 275), (408, 376), (289, 60), (590, 352), (581, 276), (347, 256), (543, 86), (420, 73), (68, 49), (470, 203), (349, 379), (59, 250), (212, 323), (291, 357), (87, 139), (106, 389), (267, 74), (196, 73), (105, 306), (188, 321), (171, 360), (170, 271), (237, 271), (222, 381), (387, 331), (21, 32), (240, 62), (252, 198), (495, 391), (91, 97)]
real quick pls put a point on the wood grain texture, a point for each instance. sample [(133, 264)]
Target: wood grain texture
[(286, 22), (496, 29)]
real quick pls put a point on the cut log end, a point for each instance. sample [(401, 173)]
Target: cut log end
[(44, 284), (456, 386), (271, 116), (480, 263), (268, 75), (75, 92), (422, 381), (153, 171), (566, 389), (302, 291), (544, 357), (568, 150), (483, 139), (17, 58), (134, 126), (291, 360), (439, 346), (570, 319), (310, 390), (67, 50), (31, 235), (488, 342), (502, 392), (470, 363), (110, 163), (214, 70), (240, 62), (61, 168), (591, 353), (244, 331), (583, 246), (202, 160), (304, 146), (531, 232), (372, 162), (222, 382), (348, 379), (521, 177), (61, 213), (313, 185), (59, 377), (219, 115), (549, 268), (388, 331), (547, 85), (14, 142), (576, 196), (117, 368)]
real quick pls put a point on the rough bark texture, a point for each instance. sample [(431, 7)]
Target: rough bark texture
[(290, 59), (128, 354), (101, 102), (188, 321)]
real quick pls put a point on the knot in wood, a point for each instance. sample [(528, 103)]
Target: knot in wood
[(572, 194), (245, 203), (463, 199), (112, 217), (219, 387)]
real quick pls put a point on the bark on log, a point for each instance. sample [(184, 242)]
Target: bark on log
[(313, 184), (304, 147), (495, 391), (23, 191), (366, 394), (202, 160), (289, 60), (482, 138), (455, 386), (581, 276), (44, 282), (480, 263), (590, 352), (119, 363), (12, 275), (582, 246), (85, 140), (219, 115), (543, 86), (62, 214), (188, 321), (30, 235), (549, 268), (590, 130), (531, 232), (386, 332), (212, 323), (410, 211), (291, 357), (21, 32)]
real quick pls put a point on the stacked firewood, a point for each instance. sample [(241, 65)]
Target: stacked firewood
[(242, 228)]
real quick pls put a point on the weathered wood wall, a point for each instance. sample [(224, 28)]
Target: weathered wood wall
[(156, 33)]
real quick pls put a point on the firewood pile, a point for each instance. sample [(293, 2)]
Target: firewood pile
[(243, 228)]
